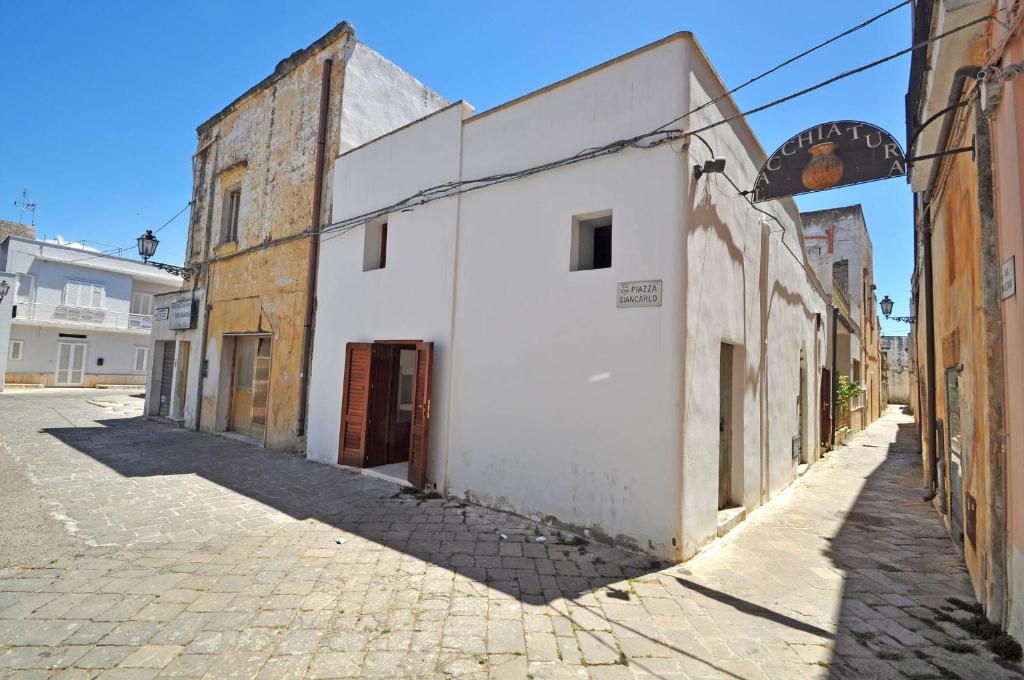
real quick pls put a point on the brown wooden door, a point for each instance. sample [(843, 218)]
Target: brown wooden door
[(355, 403), (420, 415)]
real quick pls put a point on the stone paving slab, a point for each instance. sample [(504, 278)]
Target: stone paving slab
[(197, 556)]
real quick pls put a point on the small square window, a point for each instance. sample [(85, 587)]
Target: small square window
[(229, 216), (591, 242), (375, 246), (16, 350)]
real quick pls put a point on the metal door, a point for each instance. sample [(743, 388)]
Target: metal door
[(166, 378)]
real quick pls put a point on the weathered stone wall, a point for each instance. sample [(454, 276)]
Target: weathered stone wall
[(264, 144), (964, 353), (16, 229)]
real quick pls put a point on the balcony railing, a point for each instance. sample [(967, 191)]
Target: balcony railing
[(85, 317)]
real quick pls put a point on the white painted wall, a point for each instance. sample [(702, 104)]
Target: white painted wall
[(547, 399), (40, 351), (411, 298), (379, 97), (744, 287)]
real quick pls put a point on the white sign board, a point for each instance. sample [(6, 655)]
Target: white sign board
[(1008, 279), (638, 294), (162, 313), (181, 315)]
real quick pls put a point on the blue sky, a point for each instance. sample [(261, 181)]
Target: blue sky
[(101, 100)]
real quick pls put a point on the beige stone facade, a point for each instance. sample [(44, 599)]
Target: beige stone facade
[(259, 175)]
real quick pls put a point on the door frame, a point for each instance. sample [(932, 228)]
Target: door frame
[(231, 382), (56, 368), (357, 457)]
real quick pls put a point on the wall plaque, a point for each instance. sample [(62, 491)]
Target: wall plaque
[(1008, 278), (639, 294)]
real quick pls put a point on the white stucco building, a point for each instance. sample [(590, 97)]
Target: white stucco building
[(611, 345), (80, 318)]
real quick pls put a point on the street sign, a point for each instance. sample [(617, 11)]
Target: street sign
[(1008, 278), (639, 294), (835, 154)]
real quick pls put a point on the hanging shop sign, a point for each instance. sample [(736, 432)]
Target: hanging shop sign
[(829, 155)]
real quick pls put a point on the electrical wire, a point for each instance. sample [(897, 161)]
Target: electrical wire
[(641, 141), (746, 196), (841, 76), (751, 81), (121, 250)]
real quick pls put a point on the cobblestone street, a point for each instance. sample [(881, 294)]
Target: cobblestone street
[(178, 554)]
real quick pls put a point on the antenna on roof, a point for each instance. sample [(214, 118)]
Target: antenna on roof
[(26, 204)]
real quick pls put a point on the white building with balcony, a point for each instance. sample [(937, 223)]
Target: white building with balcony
[(79, 318)]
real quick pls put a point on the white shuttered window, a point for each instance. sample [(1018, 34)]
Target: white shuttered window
[(83, 294)]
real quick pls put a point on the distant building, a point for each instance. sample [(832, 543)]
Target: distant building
[(839, 248), (613, 344), (79, 318), (896, 355), (261, 184)]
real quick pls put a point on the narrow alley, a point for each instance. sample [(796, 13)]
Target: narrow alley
[(179, 554)]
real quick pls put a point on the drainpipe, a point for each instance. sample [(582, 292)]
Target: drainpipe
[(835, 383), (314, 248), (929, 345)]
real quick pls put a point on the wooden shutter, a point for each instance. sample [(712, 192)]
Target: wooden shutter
[(354, 403), (420, 415)]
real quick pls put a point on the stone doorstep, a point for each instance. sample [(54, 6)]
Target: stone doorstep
[(23, 386), (167, 420), (729, 519), (371, 472)]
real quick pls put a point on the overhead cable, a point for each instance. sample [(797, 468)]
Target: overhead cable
[(650, 139), (789, 61), (121, 250)]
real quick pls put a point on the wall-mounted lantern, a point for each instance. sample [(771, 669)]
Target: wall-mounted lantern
[(4, 288), (886, 305), (147, 248)]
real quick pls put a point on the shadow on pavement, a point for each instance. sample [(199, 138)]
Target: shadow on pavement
[(900, 567), (464, 538)]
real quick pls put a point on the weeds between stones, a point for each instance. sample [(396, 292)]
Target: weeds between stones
[(958, 647), (972, 607)]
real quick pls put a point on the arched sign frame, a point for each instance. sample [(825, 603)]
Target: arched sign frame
[(847, 153)]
